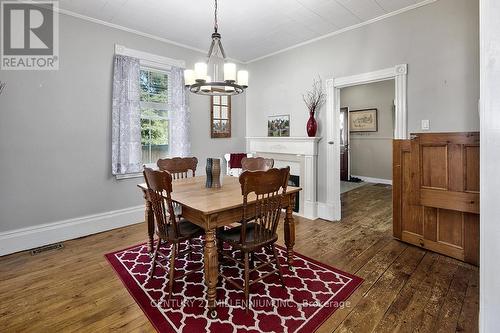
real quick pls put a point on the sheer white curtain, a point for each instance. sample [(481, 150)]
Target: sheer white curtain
[(180, 142), (126, 122)]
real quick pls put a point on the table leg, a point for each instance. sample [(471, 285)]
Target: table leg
[(290, 229), (150, 220), (211, 271)]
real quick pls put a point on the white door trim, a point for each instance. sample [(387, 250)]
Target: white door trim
[(399, 74), (489, 251)]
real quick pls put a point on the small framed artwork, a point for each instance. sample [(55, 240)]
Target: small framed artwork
[(363, 120), (278, 125), (220, 116)]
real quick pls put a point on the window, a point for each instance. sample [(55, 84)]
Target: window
[(155, 125), (162, 116)]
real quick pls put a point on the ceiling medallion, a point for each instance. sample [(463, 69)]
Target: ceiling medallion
[(223, 79)]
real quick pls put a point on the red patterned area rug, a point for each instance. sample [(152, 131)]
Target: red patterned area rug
[(313, 292)]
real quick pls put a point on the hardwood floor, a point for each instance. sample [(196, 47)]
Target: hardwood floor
[(405, 289)]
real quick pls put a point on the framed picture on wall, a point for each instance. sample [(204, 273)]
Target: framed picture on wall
[(364, 120), (220, 116), (278, 125)]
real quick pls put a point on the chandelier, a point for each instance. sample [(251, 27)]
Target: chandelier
[(216, 77)]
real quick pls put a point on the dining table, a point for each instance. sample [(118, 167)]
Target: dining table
[(212, 208)]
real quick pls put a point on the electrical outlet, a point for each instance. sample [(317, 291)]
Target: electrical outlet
[(425, 124)]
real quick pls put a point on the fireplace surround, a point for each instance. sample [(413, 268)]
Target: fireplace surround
[(301, 154)]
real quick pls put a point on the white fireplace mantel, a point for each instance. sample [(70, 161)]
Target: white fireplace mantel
[(284, 145), (301, 154)]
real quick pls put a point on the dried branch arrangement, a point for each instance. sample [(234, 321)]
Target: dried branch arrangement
[(316, 97)]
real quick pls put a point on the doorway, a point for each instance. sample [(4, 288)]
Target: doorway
[(366, 133), (332, 208)]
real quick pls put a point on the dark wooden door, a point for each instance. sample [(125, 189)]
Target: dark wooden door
[(344, 144), (436, 193)]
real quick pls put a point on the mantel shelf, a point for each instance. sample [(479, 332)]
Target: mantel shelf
[(285, 138), (302, 145)]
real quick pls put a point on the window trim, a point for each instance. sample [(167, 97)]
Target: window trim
[(136, 174), (129, 176), (150, 59), (220, 135)]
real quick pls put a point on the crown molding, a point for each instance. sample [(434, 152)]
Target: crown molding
[(120, 27), (338, 32), (136, 32)]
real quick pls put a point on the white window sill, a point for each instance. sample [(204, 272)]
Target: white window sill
[(129, 176), (137, 174)]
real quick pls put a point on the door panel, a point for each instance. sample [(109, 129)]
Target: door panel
[(471, 241), (456, 171), (430, 223), (472, 169), (412, 211), (450, 227), (436, 193), (434, 166), (344, 144)]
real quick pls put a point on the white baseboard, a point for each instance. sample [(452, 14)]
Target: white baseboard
[(327, 211), (49, 233), (310, 210), (374, 180)]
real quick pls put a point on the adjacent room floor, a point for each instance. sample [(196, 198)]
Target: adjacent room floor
[(405, 287), (348, 186)]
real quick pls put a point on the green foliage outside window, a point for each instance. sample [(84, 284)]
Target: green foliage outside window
[(154, 115), (154, 129), (154, 87)]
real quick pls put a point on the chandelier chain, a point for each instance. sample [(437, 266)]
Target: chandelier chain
[(216, 24), (230, 83)]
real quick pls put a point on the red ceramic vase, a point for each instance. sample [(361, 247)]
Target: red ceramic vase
[(312, 125)]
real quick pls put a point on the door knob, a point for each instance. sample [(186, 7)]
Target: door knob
[(330, 142)]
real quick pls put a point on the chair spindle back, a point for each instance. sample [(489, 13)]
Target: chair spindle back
[(269, 187), (159, 194), (178, 166)]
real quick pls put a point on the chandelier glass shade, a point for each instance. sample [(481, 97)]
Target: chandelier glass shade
[(216, 76)]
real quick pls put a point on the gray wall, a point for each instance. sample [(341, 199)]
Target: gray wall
[(439, 42), (371, 152), (55, 132)]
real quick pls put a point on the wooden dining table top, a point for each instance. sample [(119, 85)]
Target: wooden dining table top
[(191, 192)]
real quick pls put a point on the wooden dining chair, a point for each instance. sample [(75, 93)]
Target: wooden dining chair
[(256, 163), (169, 229), (259, 222), (178, 167)]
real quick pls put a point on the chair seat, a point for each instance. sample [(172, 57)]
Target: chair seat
[(186, 230), (256, 236)]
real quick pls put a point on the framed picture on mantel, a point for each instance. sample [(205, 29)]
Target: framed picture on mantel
[(278, 125), (220, 116), (363, 120)]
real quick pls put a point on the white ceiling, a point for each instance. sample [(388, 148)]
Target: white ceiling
[(250, 29)]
